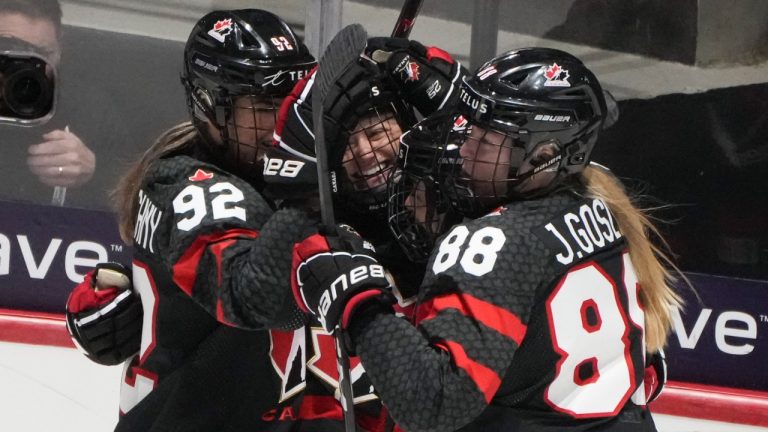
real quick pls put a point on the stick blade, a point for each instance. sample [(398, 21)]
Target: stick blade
[(343, 49)]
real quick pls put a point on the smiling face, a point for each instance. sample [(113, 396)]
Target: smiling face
[(371, 151)]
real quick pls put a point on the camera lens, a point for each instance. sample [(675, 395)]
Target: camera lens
[(27, 92)]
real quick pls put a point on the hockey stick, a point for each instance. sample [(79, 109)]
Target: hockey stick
[(343, 49), (407, 18)]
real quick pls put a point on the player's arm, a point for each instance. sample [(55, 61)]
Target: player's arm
[(223, 244), (242, 276), (104, 315), (441, 373)]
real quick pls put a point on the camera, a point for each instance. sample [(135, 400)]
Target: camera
[(27, 84)]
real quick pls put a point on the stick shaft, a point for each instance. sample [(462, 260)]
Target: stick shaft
[(407, 17)]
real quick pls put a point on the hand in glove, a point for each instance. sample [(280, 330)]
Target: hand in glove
[(427, 77), (104, 316), (335, 272)]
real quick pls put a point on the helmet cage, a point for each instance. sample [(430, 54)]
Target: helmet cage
[(367, 161), (417, 210)]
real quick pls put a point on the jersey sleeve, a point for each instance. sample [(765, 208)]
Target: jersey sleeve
[(221, 243), (478, 292)]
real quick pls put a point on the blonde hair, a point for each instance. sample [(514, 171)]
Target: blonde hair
[(654, 267), (125, 195)]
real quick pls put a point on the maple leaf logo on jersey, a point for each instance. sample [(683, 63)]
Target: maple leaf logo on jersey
[(221, 29), (201, 175), (288, 353), (556, 76)]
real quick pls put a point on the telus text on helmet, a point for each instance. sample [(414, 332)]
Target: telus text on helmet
[(473, 102), (279, 77)]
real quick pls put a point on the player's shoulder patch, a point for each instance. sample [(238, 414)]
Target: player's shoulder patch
[(578, 231)]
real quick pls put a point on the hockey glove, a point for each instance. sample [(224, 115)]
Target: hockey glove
[(655, 375), (336, 272), (427, 77), (104, 315)]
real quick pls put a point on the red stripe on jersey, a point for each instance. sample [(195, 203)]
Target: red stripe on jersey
[(320, 407), (185, 269), (484, 377), (490, 315), (218, 249), (221, 316)]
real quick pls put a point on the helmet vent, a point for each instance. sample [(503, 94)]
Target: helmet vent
[(516, 79)]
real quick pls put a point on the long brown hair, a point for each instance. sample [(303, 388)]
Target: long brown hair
[(125, 195), (656, 272)]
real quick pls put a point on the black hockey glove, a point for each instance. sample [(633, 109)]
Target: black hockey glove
[(428, 77), (335, 272), (655, 375), (104, 315)]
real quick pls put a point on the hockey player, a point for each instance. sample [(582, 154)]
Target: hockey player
[(376, 99), (534, 315), (221, 347)]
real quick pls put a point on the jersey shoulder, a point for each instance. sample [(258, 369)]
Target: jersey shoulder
[(183, 198), (491, 259), (509, 255)]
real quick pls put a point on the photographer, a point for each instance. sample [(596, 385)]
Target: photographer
[(53, 156)]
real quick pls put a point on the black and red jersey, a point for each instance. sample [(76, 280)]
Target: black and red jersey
[(529, 320), (223, 346)]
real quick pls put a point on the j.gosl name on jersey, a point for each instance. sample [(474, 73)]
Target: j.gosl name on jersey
[(581, 232)]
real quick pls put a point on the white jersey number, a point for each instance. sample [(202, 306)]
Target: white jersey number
[(590, 331), (191, 202), (478, 258)]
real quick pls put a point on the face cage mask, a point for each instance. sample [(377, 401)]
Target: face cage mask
[(418, 214), (481, 169), (245, 125), (368, 162)]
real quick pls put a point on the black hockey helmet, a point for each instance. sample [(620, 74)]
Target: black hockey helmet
[(364, 118), (238, 65), (541, 109)]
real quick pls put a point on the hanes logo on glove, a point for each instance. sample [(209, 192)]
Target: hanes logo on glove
[(334, 273)]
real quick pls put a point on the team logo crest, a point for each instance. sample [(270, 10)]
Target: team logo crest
[(412, 71), (221, 29), (556, 76), (408, 70), (460, 123), (201, 175)]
